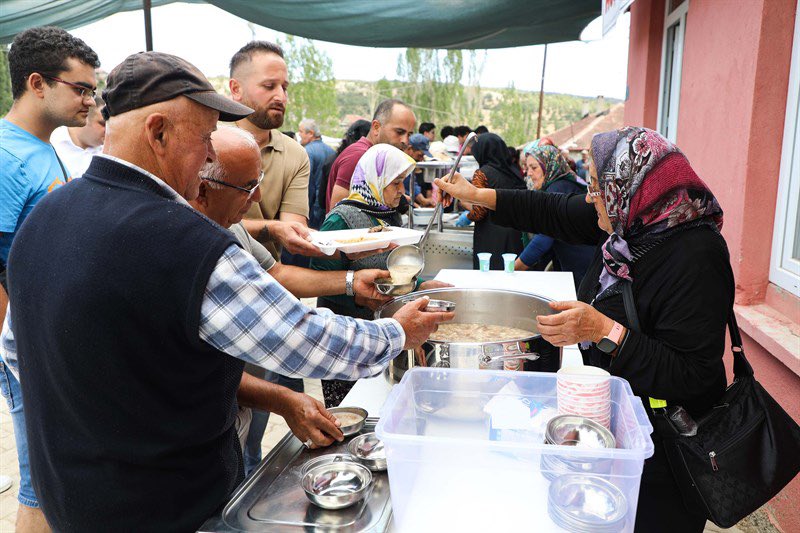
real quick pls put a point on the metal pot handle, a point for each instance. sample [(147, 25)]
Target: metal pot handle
[(508, 351)]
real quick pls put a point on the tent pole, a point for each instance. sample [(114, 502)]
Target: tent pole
[(541, 97), (148, 26)]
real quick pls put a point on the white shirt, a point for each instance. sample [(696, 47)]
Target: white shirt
[(75, 158)]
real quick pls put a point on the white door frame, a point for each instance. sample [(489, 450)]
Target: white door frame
[(678, 16)]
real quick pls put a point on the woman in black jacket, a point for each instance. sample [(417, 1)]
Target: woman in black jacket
[(656, 225), (495, 172)]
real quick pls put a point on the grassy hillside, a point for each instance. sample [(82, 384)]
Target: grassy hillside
[(510, 112)]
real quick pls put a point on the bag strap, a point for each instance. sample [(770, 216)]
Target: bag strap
[(630, 306), (741, 366)]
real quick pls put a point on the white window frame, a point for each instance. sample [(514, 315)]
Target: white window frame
[(784, 270), (676, 17)]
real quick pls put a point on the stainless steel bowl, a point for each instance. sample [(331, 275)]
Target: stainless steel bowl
[(368, 450), (579, 431), (325, 459), (337, 485), (438, 306), (519, 310), (350, 429), (385, 286)]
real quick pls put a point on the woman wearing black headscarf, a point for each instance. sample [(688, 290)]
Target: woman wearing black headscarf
[(495, 172)]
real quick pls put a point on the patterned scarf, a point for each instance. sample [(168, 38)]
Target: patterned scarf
[(650, 192), (554, 166), (376, 169)]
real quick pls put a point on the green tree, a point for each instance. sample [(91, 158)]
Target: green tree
[(433, 86), (514, 118), (312, 92), (5, 83)]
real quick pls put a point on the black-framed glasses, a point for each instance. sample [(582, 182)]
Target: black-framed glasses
[(83, 91), (247, 190)]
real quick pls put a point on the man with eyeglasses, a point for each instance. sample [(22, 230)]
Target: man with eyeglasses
[(228, 188), (53, 84)]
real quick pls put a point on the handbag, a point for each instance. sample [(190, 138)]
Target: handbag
[(746, 449)]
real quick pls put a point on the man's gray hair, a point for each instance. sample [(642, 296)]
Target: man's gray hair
[(215, 170), (309, 124), (246, 137), (384, 109)]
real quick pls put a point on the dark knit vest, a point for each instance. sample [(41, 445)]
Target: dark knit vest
[(129, 413)]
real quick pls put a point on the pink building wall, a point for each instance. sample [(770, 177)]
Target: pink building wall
[(644, 67), (732, 109)]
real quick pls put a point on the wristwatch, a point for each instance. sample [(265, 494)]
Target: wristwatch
[(348, 282), (610, 342)]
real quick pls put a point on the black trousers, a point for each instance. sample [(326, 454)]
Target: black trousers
[(660, 507)]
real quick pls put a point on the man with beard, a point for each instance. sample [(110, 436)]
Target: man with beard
[(259, 80), (392, 123)]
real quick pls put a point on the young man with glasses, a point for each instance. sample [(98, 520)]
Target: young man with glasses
[(53, 84)]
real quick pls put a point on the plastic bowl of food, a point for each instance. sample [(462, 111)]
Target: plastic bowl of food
[(351, 419)]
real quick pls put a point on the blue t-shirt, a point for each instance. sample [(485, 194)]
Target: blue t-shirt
[(29, 169)]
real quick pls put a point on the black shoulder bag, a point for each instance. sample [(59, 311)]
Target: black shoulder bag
[(746, 448)]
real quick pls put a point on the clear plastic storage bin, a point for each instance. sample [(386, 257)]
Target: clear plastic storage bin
[(466, 452)]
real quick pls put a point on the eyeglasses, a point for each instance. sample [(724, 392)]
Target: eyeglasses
[(82, 90), (249, 191)]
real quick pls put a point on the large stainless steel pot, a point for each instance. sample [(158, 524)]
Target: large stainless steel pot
[(482, 306)]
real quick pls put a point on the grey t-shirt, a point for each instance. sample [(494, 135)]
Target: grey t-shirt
[(253, 247)]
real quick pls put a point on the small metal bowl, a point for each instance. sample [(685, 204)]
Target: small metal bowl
[(368, 450), (324, 460), (440, 306), (573, 430), (385, 286), (337, 485), (349, 428)]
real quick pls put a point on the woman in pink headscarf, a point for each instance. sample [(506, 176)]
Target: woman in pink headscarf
[(656, 226)]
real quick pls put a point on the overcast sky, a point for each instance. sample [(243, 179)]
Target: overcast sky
[(208, 36)]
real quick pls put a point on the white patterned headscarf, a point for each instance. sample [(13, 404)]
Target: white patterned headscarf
[(377, 168)]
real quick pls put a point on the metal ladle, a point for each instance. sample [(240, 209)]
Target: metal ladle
[(413, 254)]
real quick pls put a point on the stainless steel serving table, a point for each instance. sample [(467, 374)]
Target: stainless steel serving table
[(271, 499)]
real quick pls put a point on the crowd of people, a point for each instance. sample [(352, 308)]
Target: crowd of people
[(154, 244)]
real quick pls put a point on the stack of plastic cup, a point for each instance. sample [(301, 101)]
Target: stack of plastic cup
[(508, 262), (585, 391), (483, 261)]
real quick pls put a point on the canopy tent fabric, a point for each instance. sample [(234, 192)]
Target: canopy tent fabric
[(464, 24)]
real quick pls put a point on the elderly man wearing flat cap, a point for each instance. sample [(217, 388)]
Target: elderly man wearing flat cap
[(151, 311)]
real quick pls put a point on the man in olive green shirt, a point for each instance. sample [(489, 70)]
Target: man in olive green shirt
[(259, 76)]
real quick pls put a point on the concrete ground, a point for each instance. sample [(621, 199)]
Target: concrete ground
[(276, 429)]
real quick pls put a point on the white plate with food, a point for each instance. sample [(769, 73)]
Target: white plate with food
[(352, 241)]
